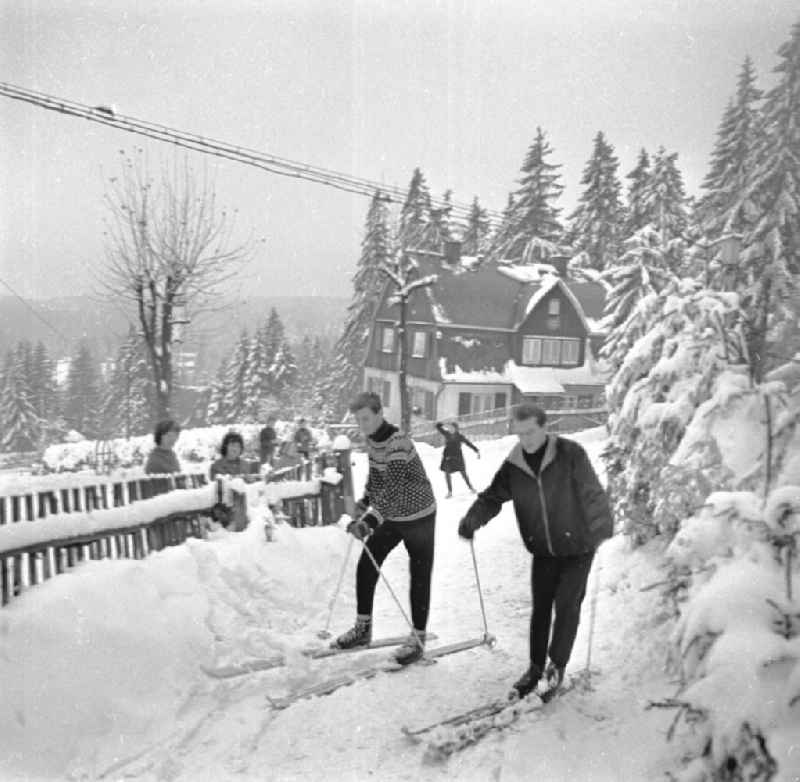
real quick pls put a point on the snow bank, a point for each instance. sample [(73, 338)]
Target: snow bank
[(96, 663)]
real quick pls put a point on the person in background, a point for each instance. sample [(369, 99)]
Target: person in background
[(267, 441), (452, 457), (162, 459), (303, 439), (230, 461), (563, 515)]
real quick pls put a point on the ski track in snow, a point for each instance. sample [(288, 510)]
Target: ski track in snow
[(225, 729)]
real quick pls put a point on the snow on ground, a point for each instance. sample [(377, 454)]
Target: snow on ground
[(100, 668)]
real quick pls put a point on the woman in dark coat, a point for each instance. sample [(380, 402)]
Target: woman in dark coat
[(452, 458)]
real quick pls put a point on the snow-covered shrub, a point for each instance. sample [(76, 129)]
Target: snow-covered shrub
[(737, 642), (669, 371)]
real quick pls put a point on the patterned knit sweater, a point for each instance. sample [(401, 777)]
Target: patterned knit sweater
[(397, 487)]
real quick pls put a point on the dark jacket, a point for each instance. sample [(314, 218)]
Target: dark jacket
[(452, 458), (267, 442), (303, 439), (225, 466), (161, 461), (562, 513), (398, 488)]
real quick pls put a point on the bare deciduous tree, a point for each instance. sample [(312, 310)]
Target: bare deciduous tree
[(169, 252)]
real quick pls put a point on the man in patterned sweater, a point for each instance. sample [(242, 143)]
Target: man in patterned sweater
[(398, 505)]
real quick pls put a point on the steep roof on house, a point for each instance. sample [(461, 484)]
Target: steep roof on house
[(491, 296)]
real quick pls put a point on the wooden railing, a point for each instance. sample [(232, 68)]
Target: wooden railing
[(45, 496), (497, 422), (28, 564)]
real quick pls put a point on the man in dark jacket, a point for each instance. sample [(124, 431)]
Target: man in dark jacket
[(563, 515), (303, 439)]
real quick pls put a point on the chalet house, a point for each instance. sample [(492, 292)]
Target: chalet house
[(486, 337)]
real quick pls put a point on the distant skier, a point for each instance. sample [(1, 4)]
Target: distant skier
[(563, 515), (452, 457), (303, 439), (267, 441), (162, 459), (398, 505)]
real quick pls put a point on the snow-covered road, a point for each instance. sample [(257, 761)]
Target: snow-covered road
[(153, 715)]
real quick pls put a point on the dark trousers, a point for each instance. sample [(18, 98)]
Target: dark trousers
[(450, 480), (418, 537), (560, 583)]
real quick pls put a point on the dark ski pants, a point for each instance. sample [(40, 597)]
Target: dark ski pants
[(450, 480), (418, 537), (560, 583)]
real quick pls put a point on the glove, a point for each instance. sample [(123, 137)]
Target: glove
[(467, 527), (362, 528)]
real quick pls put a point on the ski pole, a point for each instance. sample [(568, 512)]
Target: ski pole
[(326, 633), (391, 592), (592, 617), (488, 639)]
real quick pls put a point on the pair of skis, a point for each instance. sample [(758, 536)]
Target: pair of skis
[(449, 735), (256, 664), (388, 666)]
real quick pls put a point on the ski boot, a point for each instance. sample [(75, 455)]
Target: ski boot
[(412, 650), (527, 683), (554, 678), (358, 635)]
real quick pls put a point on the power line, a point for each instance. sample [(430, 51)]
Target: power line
[(272, 163), (35, 313)]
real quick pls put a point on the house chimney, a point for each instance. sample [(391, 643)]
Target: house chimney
[(560, 264), (452, 252)]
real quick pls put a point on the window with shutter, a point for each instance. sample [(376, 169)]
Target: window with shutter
[(551, 351), (570, 350)]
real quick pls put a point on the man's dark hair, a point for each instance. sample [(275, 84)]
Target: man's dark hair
[(529, 410), (230, 437), (366, 399), (163, 427)]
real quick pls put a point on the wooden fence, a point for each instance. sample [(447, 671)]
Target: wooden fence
[(26, 565), (101, 493), (326, 502), (29, 564)]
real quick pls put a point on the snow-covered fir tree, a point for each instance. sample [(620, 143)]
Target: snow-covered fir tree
[(368, 282), (128, 399), (643, 271), (283, 373), (638, 214), (82, 397), (217, 411), (274, 336), (41, 382), (477, 229), (20, 423), (415, 214), (722, 208), (770, 259), (665, 196), (236, 372), (533, 218), (596, 225)]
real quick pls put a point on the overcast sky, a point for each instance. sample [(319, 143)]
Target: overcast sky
[(368, 87)]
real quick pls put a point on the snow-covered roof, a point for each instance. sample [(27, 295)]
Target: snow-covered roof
[(534, 272), (529, 379)]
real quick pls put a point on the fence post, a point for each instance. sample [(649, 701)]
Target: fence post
[(343, 452)]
